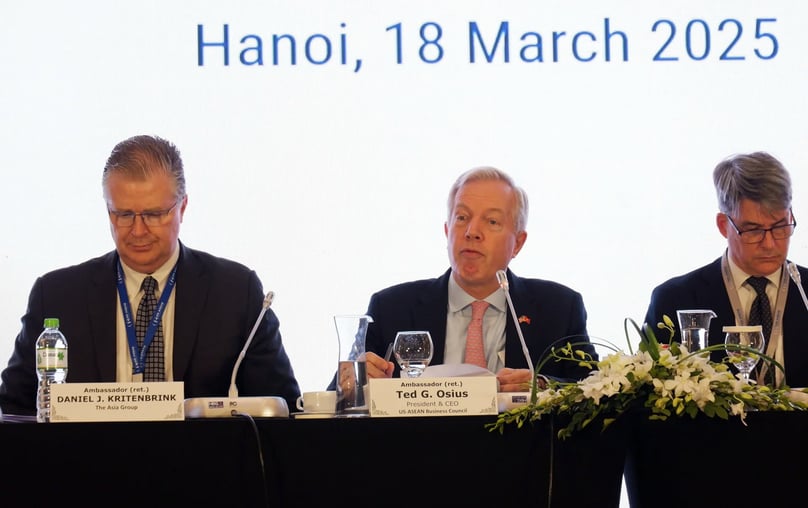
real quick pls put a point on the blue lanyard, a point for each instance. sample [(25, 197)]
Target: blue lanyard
[(139, 357)]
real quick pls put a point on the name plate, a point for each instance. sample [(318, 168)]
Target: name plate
[(434, 396), (109, 402)]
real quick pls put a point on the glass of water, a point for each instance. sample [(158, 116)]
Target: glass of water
[(413, 352), (743, 343)]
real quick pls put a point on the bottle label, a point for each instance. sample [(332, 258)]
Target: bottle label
[(51, 358)]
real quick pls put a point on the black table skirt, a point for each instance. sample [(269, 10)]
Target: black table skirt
[(706, 462), (449, 461)]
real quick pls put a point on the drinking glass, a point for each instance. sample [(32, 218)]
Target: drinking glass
[(413, 352), (742, 343)]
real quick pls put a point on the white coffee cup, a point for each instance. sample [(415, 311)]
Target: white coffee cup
[(317, 402)]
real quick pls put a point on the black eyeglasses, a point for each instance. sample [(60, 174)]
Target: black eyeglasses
[(152, 218), (758, 234)]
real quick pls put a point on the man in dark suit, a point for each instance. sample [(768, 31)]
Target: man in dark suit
[(754, 201), (487, 214), (210, 304)]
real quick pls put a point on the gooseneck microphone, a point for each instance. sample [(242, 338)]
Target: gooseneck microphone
[(502, 278), (233, 392), (794, 272), (232, 404)]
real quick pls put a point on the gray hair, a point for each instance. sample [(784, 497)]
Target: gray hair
[(489, 173), (141, 156), (757, 176)]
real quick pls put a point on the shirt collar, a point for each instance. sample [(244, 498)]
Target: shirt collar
[(739, 276), (459, 299)]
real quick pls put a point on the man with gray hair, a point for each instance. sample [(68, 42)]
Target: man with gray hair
[(207, 304), (749, 283), (485, 229)]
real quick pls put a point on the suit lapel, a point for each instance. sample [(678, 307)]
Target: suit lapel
[(524, 304), (430, 311), (713, 295), (102, 311), (189, 301)]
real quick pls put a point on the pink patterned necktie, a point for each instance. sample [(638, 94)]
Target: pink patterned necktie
[(475, 352)]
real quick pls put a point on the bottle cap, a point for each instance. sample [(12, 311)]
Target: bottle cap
[(51, 322)]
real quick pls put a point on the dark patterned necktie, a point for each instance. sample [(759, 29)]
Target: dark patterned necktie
[(154, 368), (761, 314), (761, 311)]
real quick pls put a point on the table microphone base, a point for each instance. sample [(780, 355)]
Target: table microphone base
[(222, 407)]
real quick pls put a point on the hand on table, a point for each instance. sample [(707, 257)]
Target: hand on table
[(516, 380), (378, 367)]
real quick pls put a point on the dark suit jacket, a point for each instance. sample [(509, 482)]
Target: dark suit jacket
[(703, 288), (556, 313), (216, 304)]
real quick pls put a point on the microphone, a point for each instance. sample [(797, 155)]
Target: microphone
[(233, 391), (233, 405), (502, 278), (794, 272)]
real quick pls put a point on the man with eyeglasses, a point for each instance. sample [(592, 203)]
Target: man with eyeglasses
[(207, 305), (750, 282)]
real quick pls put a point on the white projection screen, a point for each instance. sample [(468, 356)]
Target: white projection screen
[(320, 138)]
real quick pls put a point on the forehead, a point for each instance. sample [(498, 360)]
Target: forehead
[(485, 195), (153, 191)]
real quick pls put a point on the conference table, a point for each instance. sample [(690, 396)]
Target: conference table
[(709, 462), (418, 461), (286, 462)]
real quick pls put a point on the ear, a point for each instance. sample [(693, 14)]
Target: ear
[(446, 229), (520, 242), (723, 223), (182, 206)]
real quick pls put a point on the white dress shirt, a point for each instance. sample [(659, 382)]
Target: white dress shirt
[(133, 280), (458, 318)]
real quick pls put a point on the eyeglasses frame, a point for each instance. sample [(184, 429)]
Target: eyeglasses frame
[(792, 225), (159, 215)]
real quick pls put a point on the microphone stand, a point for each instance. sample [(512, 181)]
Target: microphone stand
[(233, 391), (794, 272), (502, 278), (232, 404)]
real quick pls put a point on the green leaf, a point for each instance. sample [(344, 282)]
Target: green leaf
[(644, 388)]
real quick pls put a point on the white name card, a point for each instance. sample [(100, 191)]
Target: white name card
[(434, 396), (109, 402)]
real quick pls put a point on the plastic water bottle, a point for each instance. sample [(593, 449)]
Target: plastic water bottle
[(51, 365)]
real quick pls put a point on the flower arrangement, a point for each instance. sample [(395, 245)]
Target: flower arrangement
[(661, 380)]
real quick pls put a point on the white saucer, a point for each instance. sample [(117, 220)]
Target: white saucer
[(303, 415)]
